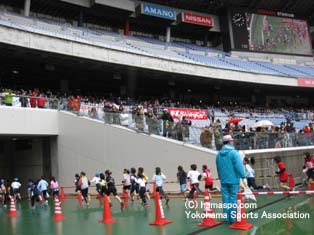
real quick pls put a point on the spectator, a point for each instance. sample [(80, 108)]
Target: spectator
[(206, 137), (41, 101), (167, 123), (8, 98), (33, 99), (23, 99), (152, 123), (124, 117)]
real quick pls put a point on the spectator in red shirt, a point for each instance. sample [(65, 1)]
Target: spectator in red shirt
[(41, 101), (33, 99)]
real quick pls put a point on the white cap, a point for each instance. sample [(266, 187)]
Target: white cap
[(227, 138)]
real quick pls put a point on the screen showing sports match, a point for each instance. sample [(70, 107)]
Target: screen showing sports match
[(264, 33)]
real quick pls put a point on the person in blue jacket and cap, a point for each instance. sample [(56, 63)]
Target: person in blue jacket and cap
[(230, 171)]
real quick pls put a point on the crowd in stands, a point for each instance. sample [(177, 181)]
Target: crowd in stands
[(151, 115)]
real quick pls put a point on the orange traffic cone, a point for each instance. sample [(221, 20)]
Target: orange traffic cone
[(208, 220), (12, 212), (159, 213), (241, 221), (107, 217), (62, 194), (58, 213), (291, 181)]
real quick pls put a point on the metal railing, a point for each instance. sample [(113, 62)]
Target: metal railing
[(154, 124)]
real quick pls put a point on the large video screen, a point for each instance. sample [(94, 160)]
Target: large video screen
[(264, 33)]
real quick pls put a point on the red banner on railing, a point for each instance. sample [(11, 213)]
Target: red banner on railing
[(190, 114), (193, 18), (306, 82)]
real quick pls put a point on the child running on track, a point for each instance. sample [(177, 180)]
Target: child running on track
[(159, 178), (35, 193), (42, 186), (3, 193), (83, 184), (281, 171), (126, 181), (96, 181), (54, 186), (103, 184), (308, 167), (134, 185), (181, 176), (16, 186), (141, 172), (208, 180), (141, 181), (250, 176), (194, 176), (111, 188)]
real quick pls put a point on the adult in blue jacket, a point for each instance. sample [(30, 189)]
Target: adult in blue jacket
[(230, 171)]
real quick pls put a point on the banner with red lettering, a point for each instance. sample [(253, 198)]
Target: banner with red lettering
[(192, 18), (190, 114), (306, 82)]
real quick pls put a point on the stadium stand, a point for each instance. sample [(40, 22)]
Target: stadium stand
[(175, 50)]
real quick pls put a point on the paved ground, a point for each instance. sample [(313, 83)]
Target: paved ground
[(135, 220)]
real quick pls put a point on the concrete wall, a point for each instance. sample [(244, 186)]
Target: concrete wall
[(83, 3), (120, 4), (80, 144), (28, 121), (90, 146), (69, 46), (24, 164)]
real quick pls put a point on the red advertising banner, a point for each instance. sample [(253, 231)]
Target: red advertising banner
[(193, 18), (190, 114), (306, 82)]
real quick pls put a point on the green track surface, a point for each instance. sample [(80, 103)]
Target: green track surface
[(135, 220)]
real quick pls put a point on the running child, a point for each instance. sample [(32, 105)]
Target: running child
[(76, 180), (54, 186), (194, 176), (250, 175), (308, 167), (29, 187), (111, 188), (283, 175), (96, 181), (208, 180), (35, 193), (83, 185), (141, 172), (141, 181), (16, 186), (126, 181), (42, 187), (159, 178), (103, 184), (3, 193), (134, 185), (181, 176)]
